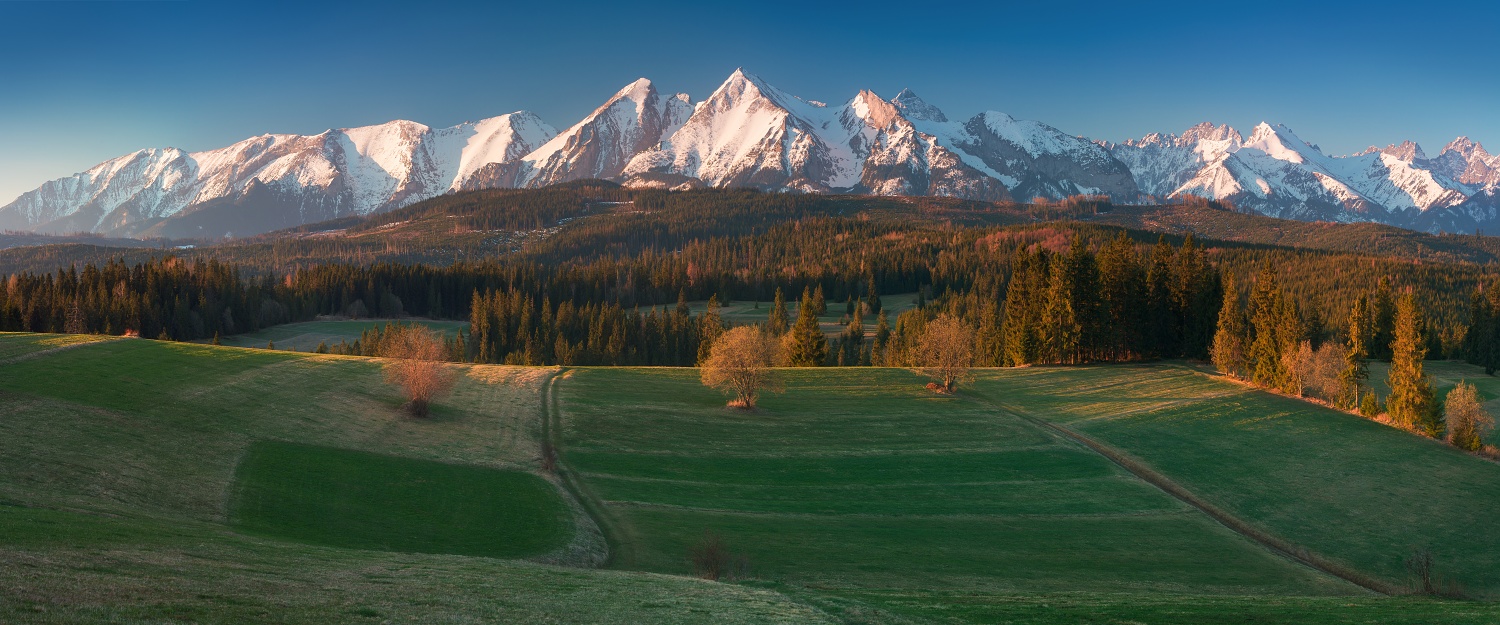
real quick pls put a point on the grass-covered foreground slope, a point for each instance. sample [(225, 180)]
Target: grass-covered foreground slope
[(861, 479), (1357, 492), (118, 463), (362, 500)]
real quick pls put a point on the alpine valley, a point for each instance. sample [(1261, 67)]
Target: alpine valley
[(747, 133)]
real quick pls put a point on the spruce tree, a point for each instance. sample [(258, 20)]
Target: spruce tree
[(1229, 337), (777, 324), (872, 296), (882, 339), (1356, 350), (1266, 308), (805, 344), (710, 327), (1383, 310), (1059, 329), (1161, 310), (1122, 285), (1412, 403), (819, 305)]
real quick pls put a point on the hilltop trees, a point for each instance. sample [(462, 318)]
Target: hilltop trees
[(945, 351), (416, 357), (1411, 403), (740, 361)]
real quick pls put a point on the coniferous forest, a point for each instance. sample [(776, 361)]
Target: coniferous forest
[(595, 274)]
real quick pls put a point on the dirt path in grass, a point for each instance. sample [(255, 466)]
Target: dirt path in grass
[(617, 549), (1240, 526)]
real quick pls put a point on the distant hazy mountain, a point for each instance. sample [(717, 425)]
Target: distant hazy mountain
[(748, 133)]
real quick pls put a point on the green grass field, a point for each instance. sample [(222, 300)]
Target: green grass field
[(1349, 489), (117, 470), (862, 479), (360, 500), (148, 482), (305, 336)]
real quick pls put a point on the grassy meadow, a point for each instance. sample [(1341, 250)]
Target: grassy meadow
[(118, 465), (305, 336), (1355, 491), (148, 482), (859, 479)]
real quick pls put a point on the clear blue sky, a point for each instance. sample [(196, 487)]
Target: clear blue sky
[(85, 81)]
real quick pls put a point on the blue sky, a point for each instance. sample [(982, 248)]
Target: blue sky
[(81, 82)]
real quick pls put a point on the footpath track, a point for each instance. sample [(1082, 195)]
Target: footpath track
[(1240, 526)]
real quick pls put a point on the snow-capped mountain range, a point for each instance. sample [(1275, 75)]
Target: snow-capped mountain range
[(748, 133)]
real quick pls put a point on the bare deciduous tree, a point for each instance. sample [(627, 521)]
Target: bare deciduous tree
[(416, 365), (945, 351), (741, 361)]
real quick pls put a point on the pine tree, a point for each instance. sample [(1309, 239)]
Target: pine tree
[(1229, 337), (1412, 403), (777, 324), (1059, 328), (1356, 350), (710, 327), (819, 305), (1161, 310), (852, 340), (872, 296), (1383, 309), (882, 340), (805, 344), (1122, 285), (1266, 308)]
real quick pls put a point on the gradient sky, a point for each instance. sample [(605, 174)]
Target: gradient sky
[(81, 82)]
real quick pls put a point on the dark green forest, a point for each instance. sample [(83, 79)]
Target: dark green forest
[(591, 273)]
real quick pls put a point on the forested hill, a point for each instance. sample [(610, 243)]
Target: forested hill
[(596, 243)]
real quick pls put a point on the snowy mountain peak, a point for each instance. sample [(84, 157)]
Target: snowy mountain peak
[(917, 109), (1206, 131), (1280, 143), (1466, 147), (1406, 151), (878, 113)]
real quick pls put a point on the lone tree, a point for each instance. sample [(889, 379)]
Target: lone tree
[(416, 356), (740, 361), (945, 351), (1468, 422), (1412, 403)]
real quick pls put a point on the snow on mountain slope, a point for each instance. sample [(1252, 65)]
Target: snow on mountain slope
[(1161, 164), (317, 177), (1467, 162), (748, 133), (637, 118)]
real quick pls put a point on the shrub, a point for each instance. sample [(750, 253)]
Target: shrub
[(416, 365), (1468, 422), (711, 559)]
